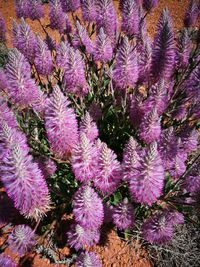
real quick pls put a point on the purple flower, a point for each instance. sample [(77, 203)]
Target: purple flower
[(35, 9), (125, 70), (74, 73), (21, 239), (50, 43), (191, 14), (89, 127), (149, 4), (24, 40), (7, 115), (130, 158), (62, 55), (61, 124), (88, 259), (107, 18), (21, 8), (130, 18), (183, 49), (158, 97), (123, 215), (89, 12), (136, 110), (47, 166), (146, 184), (157, 229), (19, 82), (70, 5), (43, 61), (150, 128), (95, 111), (109, 172), (57, 16), (174, 217), (78, 236), (189, 138), (22, 179), (81, 37), (192, 183), (163, 52), (103, 49), (88, 208), (6, 261), (84, 159), (2, 29), (192, 84)]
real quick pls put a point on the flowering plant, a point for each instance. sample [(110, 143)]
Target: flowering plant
[(102, 124)]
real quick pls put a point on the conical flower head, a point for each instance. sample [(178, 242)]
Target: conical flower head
[(21, 239), (6, 115), (2, 30), (47, 166), (43, 61), (109, 174), (6, 261), (107, 18), (125, 70), (191, 14), (88, 259), (149, 4), (61, 124), (62, 55), (23, 180), (57, 16), (131, 158), (123, 215), (79, 237), (88, 208), (89, 127), (35, 9), (103, 50), (24, 40), (146, 184), (19, 82), (89, 11), (74, 73), (130, 18), (183, 49), (163, 52), (21, 8), (70, 5), (150, 128), (84, 159), (156, 229)]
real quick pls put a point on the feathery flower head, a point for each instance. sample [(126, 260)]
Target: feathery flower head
[(62, 55), (61, 124), (183, 49), (149, 4), (123, 215), (150, 128), (88, 259), (130, 18), (51, 43), (136, 110), (107, 18), (35, 9), (21, 8), (178, 167), (89, 11), (19, 82), (89, 127), (109, 174), (78, 236), (191, 14), (74, 75), (125, 70), (189, 139), (22, 179), (7, 115), (192, 181), (70, 5), (43, 61), (26, 41), (156, 229), (174, 217), (6, 261), (2, 29), (103, 49), (57, 16), (21, 239), (84, 159), (88, 208), (146, 184), (47, 166), (163, 53), (130, 158)]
